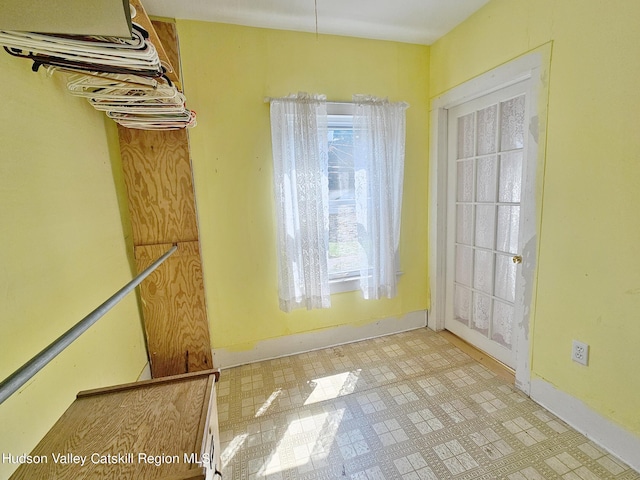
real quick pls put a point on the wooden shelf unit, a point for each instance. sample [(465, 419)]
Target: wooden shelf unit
[(160, 429)]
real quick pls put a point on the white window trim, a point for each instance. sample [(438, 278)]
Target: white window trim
[(339, 108), (349, 283)]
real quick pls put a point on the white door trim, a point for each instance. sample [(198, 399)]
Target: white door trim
[(527, 68)]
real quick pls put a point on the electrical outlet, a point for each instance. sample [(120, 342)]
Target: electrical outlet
[(580, 352)]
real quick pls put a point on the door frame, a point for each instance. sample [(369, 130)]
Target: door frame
[(533, 69)]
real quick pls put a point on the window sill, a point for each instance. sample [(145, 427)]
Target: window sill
[(345, 284), (348, 284)]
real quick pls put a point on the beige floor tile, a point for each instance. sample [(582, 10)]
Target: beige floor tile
[(410, 406)]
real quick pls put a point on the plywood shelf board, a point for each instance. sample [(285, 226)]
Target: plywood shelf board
[(160, 192), (148, 383), (157, 173), (168, 35), (176, 323), (142, 19)]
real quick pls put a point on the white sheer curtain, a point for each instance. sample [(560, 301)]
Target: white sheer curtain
[(379, 136), (299, 142)]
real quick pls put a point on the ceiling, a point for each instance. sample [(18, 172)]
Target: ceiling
[(410, 21)]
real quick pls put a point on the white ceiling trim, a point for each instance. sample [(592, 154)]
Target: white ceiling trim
[(409, 21)]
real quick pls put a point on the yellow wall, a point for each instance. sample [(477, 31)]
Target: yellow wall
[(64, 246), (228, 70), (62, 252), (588, 284)]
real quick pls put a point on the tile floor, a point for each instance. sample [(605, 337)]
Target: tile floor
[(409, 406)]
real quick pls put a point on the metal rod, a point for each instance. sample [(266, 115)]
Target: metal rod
[(269, 99), (21, 376)]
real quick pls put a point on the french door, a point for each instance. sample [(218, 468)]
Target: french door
[(486, 162)]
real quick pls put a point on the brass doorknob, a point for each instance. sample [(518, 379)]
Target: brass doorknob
[(516, 259)]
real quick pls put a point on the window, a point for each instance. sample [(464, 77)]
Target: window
[(338, 172), (343, 231)]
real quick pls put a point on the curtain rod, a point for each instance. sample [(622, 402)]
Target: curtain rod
[(269, 99), (345, 103)]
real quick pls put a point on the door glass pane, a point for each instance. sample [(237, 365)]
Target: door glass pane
[(502, 323), (483, 271), (462, 304), (465, 136), (505, 282), (507, 230), (487, 127), (464, 264), (485, 225), (464, 231), (486, 180), (510, 177), (512, 124), (465, 181), (481, 313)]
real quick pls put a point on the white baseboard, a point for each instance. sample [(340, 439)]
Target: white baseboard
[(306, 342), (145, 374), (616, 440)]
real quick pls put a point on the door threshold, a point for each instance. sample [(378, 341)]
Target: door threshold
[(496, 366)]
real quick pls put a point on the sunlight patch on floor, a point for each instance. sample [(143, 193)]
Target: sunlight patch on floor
[(232, 449), (320, 431), (332, 386), (265, 406)]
